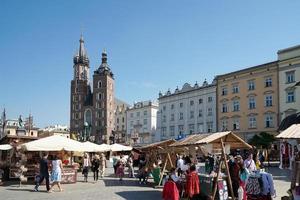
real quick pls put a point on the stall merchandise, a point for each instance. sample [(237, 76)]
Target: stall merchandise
[(218, 144), (260, 185), (289, 154)]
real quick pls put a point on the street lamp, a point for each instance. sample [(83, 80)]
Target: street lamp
[(86, 134)]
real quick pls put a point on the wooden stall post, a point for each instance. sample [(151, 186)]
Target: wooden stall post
[(227, 169), (163, 171), (170, 160)]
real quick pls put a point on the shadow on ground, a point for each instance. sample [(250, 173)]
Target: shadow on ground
[(137, 195), (110, 182)]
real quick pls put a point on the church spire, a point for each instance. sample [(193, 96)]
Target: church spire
[(104, 67), (81, 57), (104, 56), (81, 47)]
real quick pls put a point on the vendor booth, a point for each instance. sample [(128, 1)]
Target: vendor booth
[(216, 176), (289, 155), (55, 145)]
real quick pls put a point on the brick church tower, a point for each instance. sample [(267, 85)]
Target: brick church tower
[(91, 112)]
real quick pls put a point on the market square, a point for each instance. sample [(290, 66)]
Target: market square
[(146, 100)]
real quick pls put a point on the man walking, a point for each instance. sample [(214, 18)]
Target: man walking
[(44, 173)]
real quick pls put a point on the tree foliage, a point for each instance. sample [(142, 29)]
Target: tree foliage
[(262, 140)]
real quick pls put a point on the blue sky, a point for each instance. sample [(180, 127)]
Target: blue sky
[(151, 45)]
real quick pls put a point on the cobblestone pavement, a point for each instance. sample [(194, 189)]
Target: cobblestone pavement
[(111, 188), (108, 188)]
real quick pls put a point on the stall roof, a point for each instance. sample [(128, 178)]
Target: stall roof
[(214, 138), (5, 147), (119, 147), (53, 143), (157, 144), (92, 147), (292, 132)]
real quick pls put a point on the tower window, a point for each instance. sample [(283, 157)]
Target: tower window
[(99, 84)]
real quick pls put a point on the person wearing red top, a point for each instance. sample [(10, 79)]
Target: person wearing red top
[(170, 191), (192, 183)]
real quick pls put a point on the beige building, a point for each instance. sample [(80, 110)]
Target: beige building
[(247, 100), (289, 73), (120, 121)]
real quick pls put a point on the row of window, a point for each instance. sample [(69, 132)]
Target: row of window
[(99, 85), (192, 102), (191, 115), (144, 130), (252, 122), (191, 129), (145, 122), (251, 86), (118, 120), (138, 114), (123, 128), (100, 96), (290, 97), (290, 78)]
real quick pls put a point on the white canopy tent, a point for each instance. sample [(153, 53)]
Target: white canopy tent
[(104, 147), (292, 132), (5, 147), (119, 147), (53, 143), (92, 147)]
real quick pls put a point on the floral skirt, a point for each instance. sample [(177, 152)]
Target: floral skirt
[(55, 176), (120, 171)]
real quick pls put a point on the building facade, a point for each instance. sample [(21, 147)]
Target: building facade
[(187, 111), (92, 109), (247, 100), (141, 122), (54, 130), (120, 132), (289, 73), (17, 128)]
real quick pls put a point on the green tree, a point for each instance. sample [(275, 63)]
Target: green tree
[(262, 140)]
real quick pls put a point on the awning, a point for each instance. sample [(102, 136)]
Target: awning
[(53, 143), (292, 132), (5, 147), (119, 147), (92, 147), (228, 137)]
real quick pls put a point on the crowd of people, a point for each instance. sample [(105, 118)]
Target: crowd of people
[(182, 180)]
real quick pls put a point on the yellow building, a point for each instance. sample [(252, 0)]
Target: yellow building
[(247, 100)]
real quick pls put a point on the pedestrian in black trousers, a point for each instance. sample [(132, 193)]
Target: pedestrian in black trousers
[(44, 173)]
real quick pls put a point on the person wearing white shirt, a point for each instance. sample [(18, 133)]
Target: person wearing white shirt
[(180, 164), (249, 163)]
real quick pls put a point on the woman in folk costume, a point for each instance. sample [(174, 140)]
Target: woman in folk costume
[(170, 191), (192, 183)]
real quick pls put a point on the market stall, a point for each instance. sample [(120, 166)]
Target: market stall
[(289, 154), (119, 147), (156, 153), (92, 147), (56, 145), (219, 146)]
